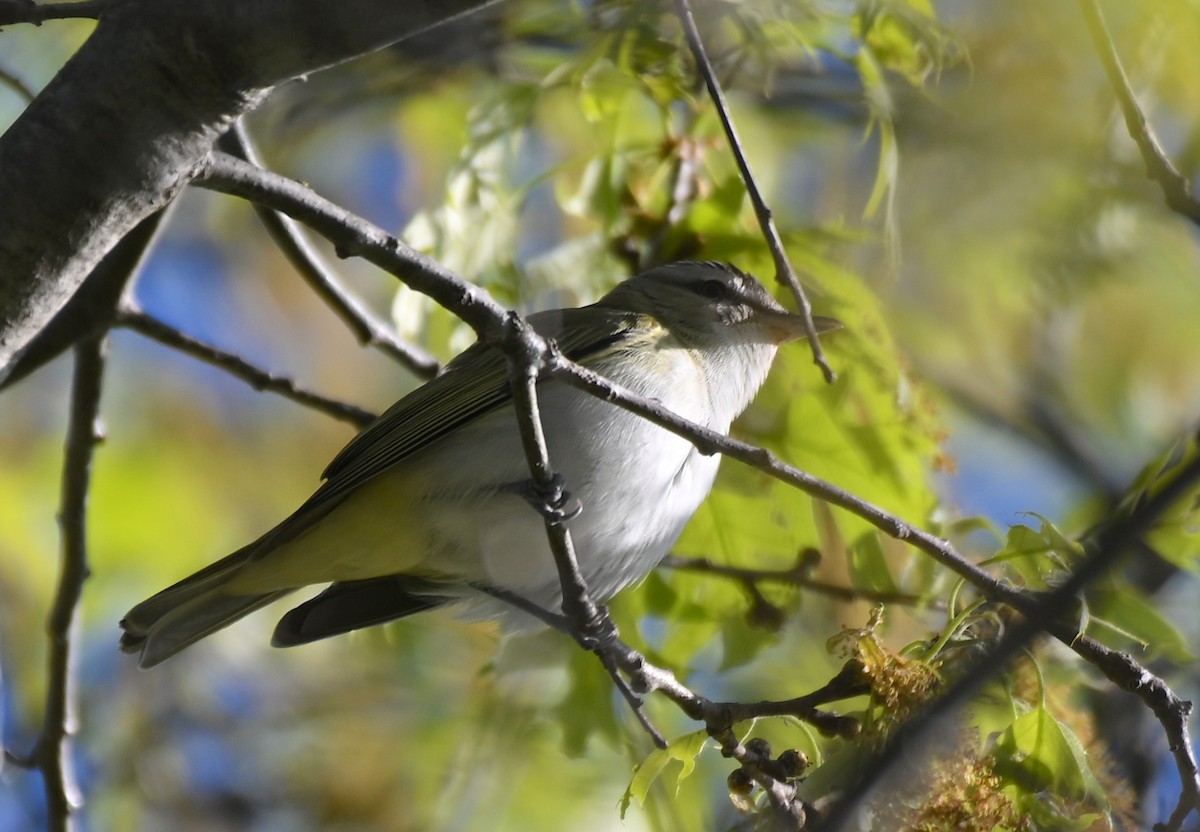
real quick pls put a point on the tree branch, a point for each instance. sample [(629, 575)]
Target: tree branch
[(784, 273), (353, 236), (131, 117), (135, 319), (798, 575), (52, 755), (1175, 187), (27, 11), (369, 330), (1111, 541)]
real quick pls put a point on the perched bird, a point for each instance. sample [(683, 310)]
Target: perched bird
[(428, 502)]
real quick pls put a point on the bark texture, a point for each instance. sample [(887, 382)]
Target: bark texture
[(129, 121)]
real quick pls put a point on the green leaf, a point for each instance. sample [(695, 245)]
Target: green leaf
[(1120, 614), (683, 750), (1038, 748), (869, 565), (1037, 557)]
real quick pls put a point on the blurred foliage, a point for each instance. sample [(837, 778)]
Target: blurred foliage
[(952, 182)]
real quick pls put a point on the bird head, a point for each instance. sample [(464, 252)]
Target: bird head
[(711, 304)]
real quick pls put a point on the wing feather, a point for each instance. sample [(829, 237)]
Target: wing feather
[(474, 383)]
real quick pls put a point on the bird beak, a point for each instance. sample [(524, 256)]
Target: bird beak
[(786, 326)]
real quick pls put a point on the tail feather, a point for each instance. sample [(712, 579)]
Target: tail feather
[(186, 612)]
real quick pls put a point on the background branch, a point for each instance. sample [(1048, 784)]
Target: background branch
[(354, 236), (1175, 187), (369, 330), (798, 575), (134, 319), (18, 86), (52, 754)]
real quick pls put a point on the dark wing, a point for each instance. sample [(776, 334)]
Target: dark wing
[(352, 605)]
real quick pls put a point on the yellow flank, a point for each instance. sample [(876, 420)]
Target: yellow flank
[(379, 529)]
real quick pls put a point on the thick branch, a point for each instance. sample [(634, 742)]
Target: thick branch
[(91, 309), (131, 117)]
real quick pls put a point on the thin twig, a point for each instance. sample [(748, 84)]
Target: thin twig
[(719, 717), (1109, 543), (352, 236), (135, 319), (368, 329), (18, 86), (26, 11), (784, 272), (52, 754), (1177, 190), (793, 575)]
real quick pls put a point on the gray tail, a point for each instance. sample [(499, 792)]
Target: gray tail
[(182, 614)]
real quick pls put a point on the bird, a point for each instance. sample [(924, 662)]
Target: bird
[(431, 501)]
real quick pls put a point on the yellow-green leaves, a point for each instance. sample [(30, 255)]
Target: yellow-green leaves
[(683, 751)]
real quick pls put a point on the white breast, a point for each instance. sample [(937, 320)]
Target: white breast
[(638, 485)]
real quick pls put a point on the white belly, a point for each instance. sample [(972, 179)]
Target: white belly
[(637, 484), (452, 513)]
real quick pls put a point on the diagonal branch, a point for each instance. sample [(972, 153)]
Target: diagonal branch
[(1109, 543), (369, 330), (1118, 667), (354, 236), (130, 317), (1175, 187), (784, 272)]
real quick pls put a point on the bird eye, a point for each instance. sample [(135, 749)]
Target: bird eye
[(714, 289)]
